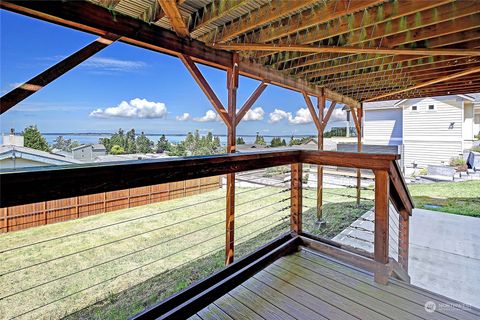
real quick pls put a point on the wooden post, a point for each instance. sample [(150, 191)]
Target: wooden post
[(381, 222), (6, 219), (359, 149), (403, 239), (296, 198), (77, 212), (232, 85), (321, 109)]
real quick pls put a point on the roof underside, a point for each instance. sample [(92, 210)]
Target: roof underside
[(311, 25)]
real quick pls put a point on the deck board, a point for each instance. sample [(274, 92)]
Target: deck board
[(309, 285)]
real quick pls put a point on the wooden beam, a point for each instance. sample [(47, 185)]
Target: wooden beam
[(296, 198), (256, 18), (356, 50), (23, 91), (310, 107), (280, 79), (202, 82), (428, 83), (176, 20), (250, 101), (329, 114)]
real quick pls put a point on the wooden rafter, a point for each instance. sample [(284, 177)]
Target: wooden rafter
[(428, 83), (176, 20), (202, 82), (212, 12), (362, 19), (256, 18), (368, 61), (402, 25), (331, 11), (23, 91), (250, 101), (356, 50)]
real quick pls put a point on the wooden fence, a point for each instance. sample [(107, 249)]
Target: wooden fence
[(47, 212)]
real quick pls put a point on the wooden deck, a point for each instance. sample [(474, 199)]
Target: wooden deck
[(309, 285)]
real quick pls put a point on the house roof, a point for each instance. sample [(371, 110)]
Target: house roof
[(94, 146), (10, 151), (394, 104)]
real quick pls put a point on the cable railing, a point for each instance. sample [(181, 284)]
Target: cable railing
[(103, 257)]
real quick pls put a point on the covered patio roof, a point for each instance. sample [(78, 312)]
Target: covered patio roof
[(353, 51)]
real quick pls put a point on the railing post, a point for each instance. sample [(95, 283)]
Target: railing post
[(403, 239), (296, 198), (382, 193)]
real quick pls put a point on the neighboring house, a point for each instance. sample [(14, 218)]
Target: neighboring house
[(430, 130), (14, 157), (89, 152)]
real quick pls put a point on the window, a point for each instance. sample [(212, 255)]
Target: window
[(431, 107), (414, 108)]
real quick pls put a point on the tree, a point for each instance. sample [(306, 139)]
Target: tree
[(260, 140), (34, 139), (277, 142), (130, 143), (240, 140), (116, 149), (196, 145), (143, 144), (163, 144), (64, 144)]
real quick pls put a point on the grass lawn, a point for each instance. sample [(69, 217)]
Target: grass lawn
[(113, 265), (453, 197)]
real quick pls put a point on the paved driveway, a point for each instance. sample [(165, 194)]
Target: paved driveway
[(444, 251)]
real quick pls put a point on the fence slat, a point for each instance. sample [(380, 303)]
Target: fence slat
[(46, 212)]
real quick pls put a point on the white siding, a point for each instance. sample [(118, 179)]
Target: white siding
[(432, 137), (383, 127)]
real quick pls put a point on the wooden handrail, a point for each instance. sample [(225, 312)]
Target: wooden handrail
[(29, 185), (399, 194)]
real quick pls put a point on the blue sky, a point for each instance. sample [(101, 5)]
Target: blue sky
[(127, 87)]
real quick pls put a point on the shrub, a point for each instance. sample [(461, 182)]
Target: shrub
[(423, 172), (457, 162), (476, 149)]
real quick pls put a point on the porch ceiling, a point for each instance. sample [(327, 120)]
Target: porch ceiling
[(361, 50)]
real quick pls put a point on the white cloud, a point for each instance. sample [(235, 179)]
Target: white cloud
[(184, 117), (136, 108), (278, 115), (112, 64), (302, 116), (209, 116), (254, 114), (338, 115)]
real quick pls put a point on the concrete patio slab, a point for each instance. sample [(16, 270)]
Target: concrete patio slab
[(444, 251)]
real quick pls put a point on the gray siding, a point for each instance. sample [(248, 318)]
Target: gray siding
[(383, 126), (432, 137)]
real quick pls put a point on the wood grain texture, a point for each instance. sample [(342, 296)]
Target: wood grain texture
[(296, 198)]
